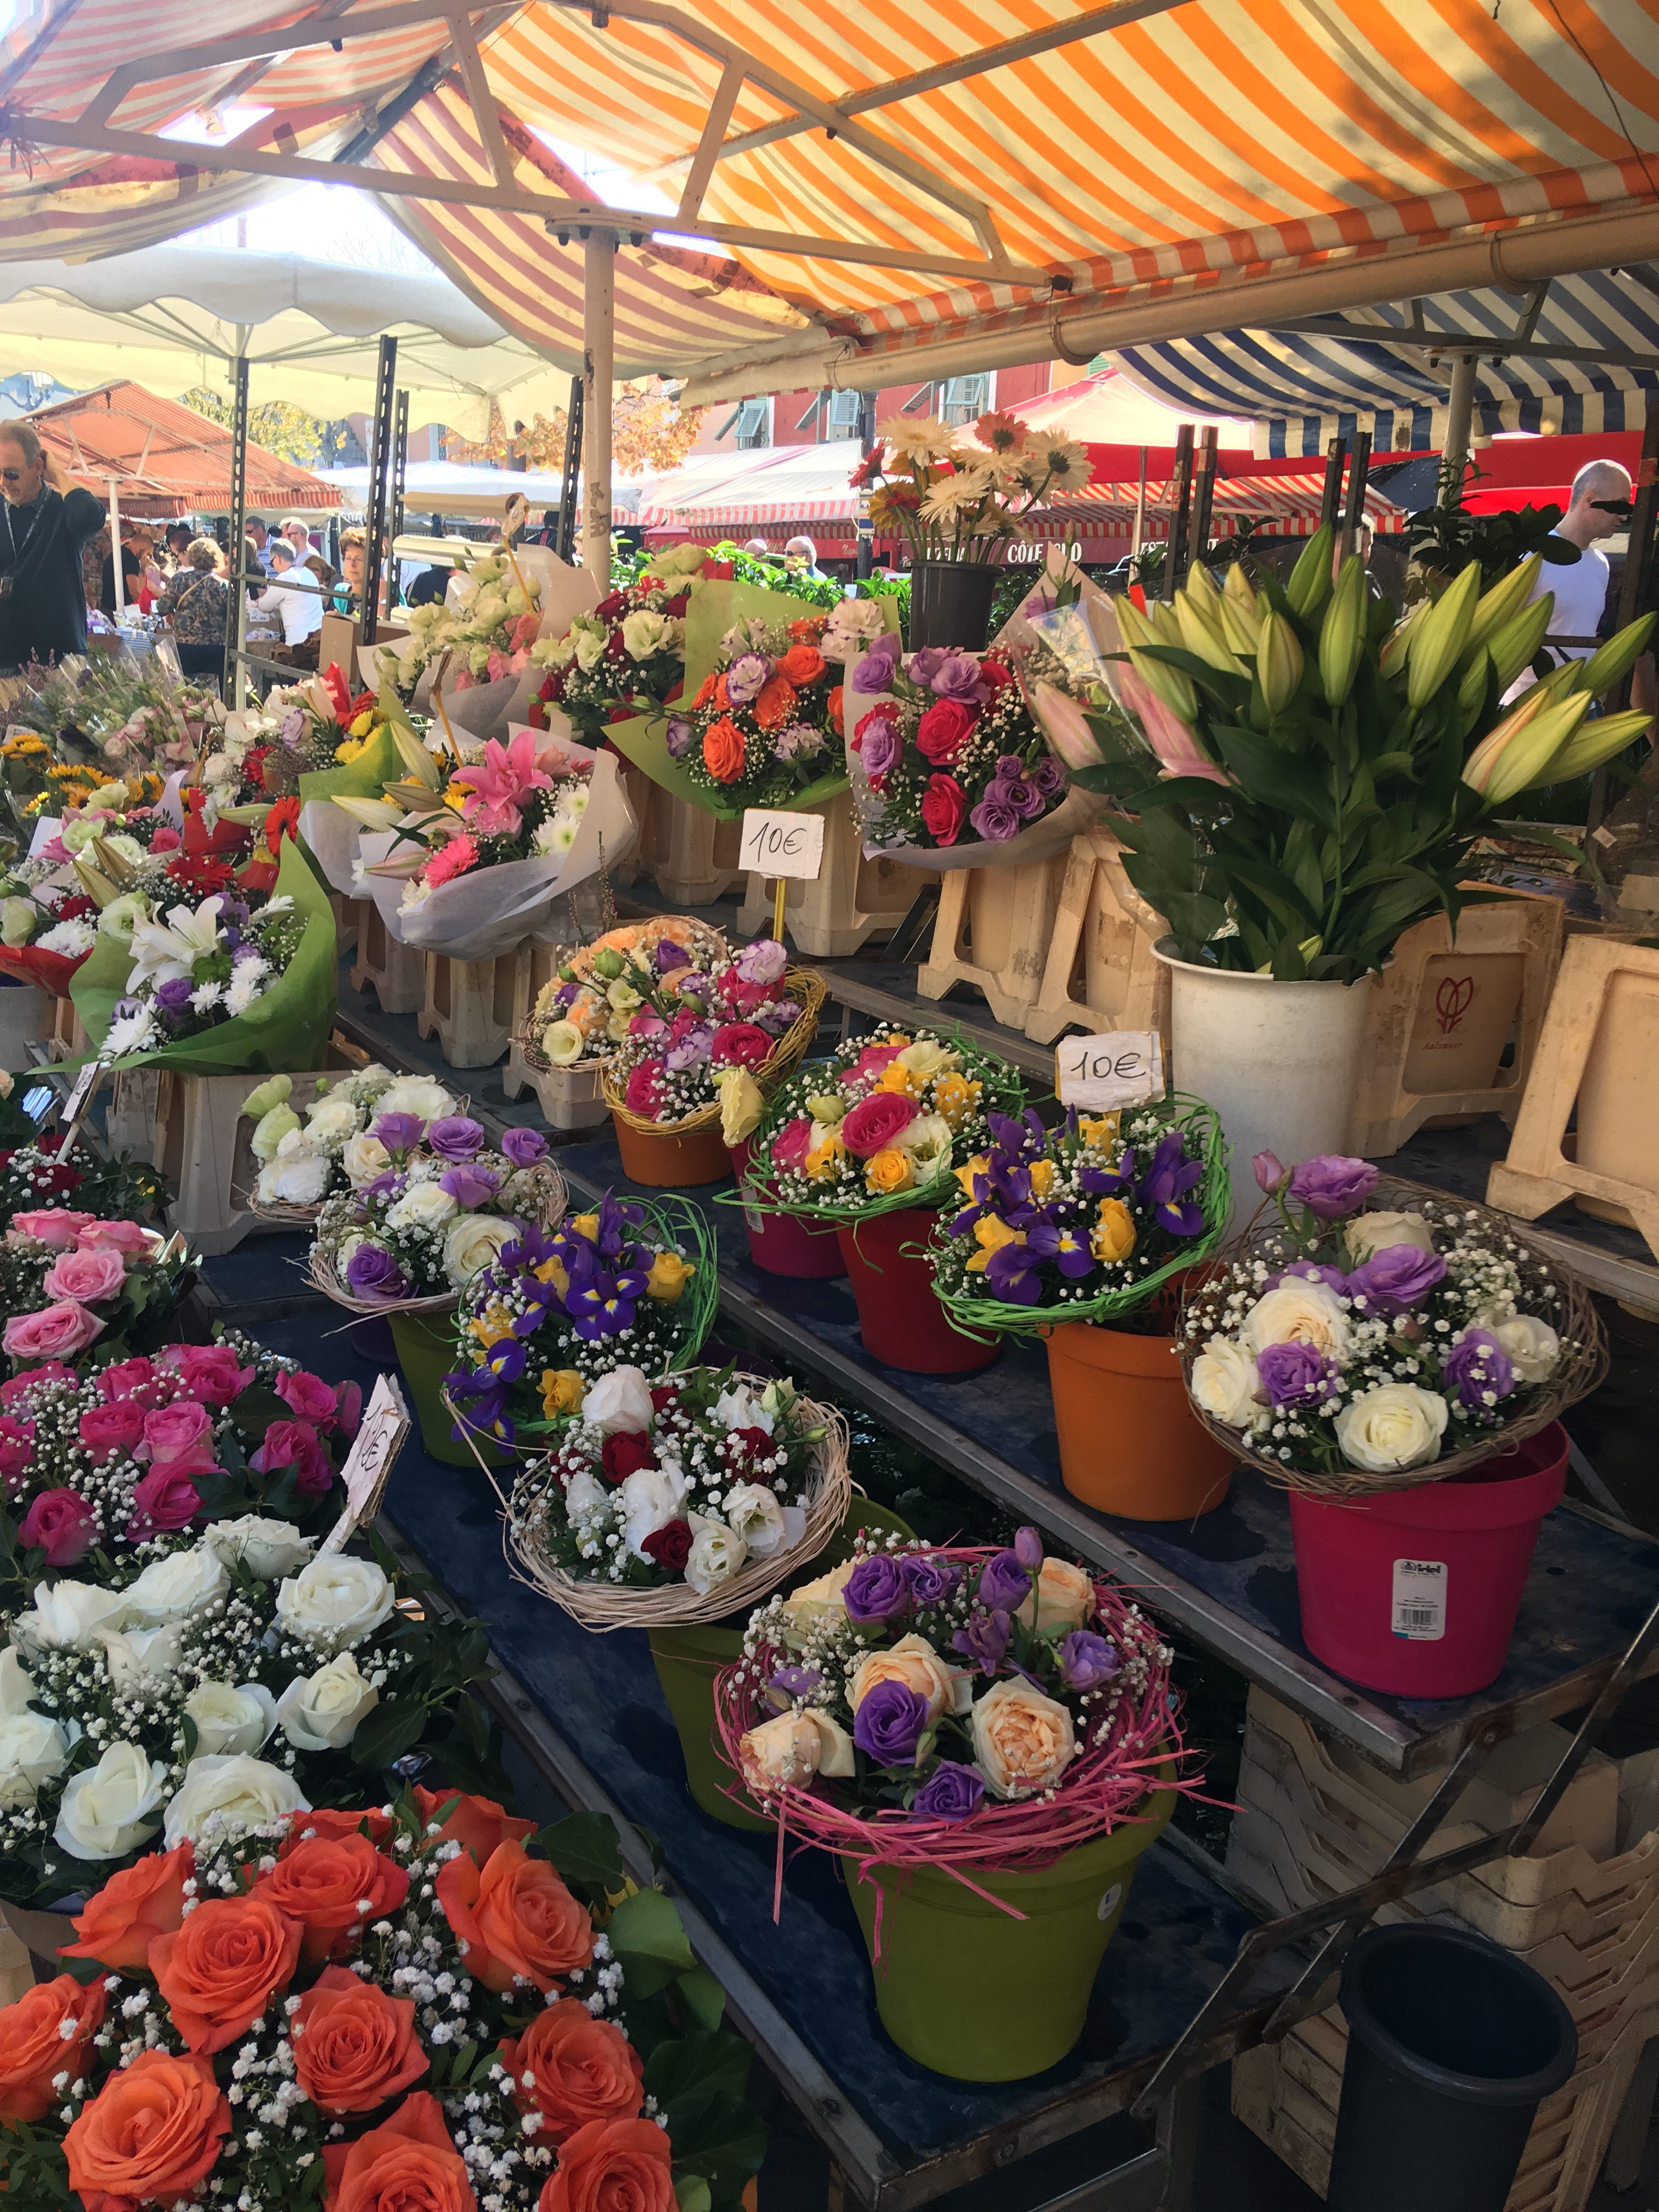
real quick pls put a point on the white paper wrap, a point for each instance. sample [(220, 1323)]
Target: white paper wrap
[(332, 836), (484, 914), (486, 710)]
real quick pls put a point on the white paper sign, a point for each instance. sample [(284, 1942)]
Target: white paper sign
[(1120, 1068), (1419, 1599), (80, 1097), (776, 842), (369, 1463)]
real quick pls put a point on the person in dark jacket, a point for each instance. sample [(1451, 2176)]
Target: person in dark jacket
[(44, 520)]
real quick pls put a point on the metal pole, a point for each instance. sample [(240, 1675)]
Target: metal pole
[(115, 547), (1460, 417), (1204, 491), (1359, 469), (865, 536), (1635, 589), (234, 687), (598, 377), (1140, 519), (379, 475), (564, 544), (1330, 504), (399, 480), (1181, 492)]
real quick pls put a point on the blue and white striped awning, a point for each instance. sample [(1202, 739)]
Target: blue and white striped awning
[(1303, 390)]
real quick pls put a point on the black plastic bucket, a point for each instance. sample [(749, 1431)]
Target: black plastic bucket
[(1452, 2045), (951, 603)]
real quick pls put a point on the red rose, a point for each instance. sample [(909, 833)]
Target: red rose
[(669, 1546), (751, 1445), (295, 1444), (613, 607), (307, 1397), (873, 1124), (536, 714), (664, 1395), (944, 730), (944, 805), (740, 1044), (994, 674), (211, 1373), (625, 1453), (61, 1524)]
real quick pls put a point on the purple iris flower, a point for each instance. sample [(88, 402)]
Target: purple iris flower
[(399, 1133), (875, 1591), (371, 1273), (1476, 1366), (985, 1639), (1165, 1185), (458, 1137), (1004, 1583), (469, 1186), (889, 1724), (1292, 1374), (605, 1305), (523, 1148), (1396, 1277), (1086, 1660), (951, 1792), (1070, 1253), (929, 1580), (1012, 1274)]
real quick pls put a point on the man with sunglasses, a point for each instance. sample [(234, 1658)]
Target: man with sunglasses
[(44, 520)]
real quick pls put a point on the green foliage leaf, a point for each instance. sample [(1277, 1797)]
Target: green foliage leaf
[(583, 1848), (389, 1730), (646, 1935)]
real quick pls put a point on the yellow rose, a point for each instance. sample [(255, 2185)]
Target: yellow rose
[(826, 1150), (991, 1235), (495, 1323), (1064, 1597), (741, 1104), (1043, 1178), (955, 1097), (1102, 1132), (1023, 1742), (585, 1224), (965, 1174), (929, 1057), (1113, 1234), (563, 1389), (669, 1276), (914, 1662), (897, 1037), (889, 1170), (896, 1077), (792, 1749)]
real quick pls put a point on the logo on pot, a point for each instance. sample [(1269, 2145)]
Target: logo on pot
[(1452, 1001), (1109, 1904)]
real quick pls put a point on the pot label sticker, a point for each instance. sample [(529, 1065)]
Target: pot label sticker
[(1109, 1904), (1419, 1599)]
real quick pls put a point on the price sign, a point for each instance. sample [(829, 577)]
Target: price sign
[(369, 1466), (778, 843), (1120, 1068), (85, 1086)]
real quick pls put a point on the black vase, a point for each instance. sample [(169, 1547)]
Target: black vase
[(951, 603)]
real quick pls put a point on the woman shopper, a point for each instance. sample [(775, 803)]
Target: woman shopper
[(196, 602)]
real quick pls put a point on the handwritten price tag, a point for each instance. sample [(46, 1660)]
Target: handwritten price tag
[(85, 1086), (368, 1465), (778, 843), (1120, 1068)]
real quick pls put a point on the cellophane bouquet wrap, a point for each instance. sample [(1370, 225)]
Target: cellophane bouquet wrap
[(582, 1013), (219, 987), (51, 898), (477, 675), (625, 658)]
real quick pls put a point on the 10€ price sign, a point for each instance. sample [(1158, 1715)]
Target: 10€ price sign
[(776, 842), (1103, 1073)]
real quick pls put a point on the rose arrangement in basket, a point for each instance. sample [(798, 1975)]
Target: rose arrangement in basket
[(557, 1309), (882, 1123), (100, 1464), (333, 1149), (938, 1706), (952, 500), (1360, 1346), (424, 2007), (706, 1040), (679, 1500), (626, 658), (764, 727), (583, 1013), (444, 1205), (1085, 1221), (67, 1281), (222, 1683)]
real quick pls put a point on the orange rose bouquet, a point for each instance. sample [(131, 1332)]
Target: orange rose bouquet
[(428, 2003), (763, 728)]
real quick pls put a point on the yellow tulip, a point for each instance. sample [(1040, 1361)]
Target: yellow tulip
[(1113, 1234)]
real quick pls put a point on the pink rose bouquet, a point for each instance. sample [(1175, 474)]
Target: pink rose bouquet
[(68, 1281)]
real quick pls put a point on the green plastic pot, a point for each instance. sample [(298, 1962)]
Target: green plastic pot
[(426, 1352), (688, 1659), (965, 1988)]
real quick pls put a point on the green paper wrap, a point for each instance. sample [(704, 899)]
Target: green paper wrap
[(285, 1030)]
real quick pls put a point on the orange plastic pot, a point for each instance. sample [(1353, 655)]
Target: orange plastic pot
[(666, 1162), (900, 1318), (1129, 1442)]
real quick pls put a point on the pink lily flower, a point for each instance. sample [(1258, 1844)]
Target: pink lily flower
[(1174, 742), (497, 785)]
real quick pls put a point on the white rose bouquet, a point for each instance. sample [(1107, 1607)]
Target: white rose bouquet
[(626, 658), (1377, 1336), (679, 1500), (332, 1149), (485, 625)]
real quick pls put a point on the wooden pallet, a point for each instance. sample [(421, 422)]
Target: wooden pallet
[(1100, 973), (467, 1005), (692, 857), (852, 900), (993, 933)]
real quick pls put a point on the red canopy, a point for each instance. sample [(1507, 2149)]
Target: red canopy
[(164, 458)]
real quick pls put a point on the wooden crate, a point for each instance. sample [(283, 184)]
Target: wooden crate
[(395, 972), (993, 931), (1100, 973), (67, 1036), (1599, 1052), (691, 856), (467, 1005), (347, 921), (852, 900), (1443, 1013)]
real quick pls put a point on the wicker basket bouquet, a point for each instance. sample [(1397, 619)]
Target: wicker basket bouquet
[(1083, 1222), (581, 1017), (411, 1240), (1375, 1334), (630, 1285), (682, 1501), (334, 1148)]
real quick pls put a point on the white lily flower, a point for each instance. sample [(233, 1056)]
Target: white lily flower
[(164, 950)]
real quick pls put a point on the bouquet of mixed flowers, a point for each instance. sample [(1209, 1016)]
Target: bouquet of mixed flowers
[(99, 1466), (954, 499), (33, 1179), (48, 924), (557, 1309), (233, 1678), (163, 735), (964, 1708), (413, 1235), (1086, 1221), (332, 1150), (883, 1122), (1359, 1346), (426, 2004), (706, 1044), (583, 1013), (626, 658), (483, 628), (676, 1501), (764, 728), (67, 1281)]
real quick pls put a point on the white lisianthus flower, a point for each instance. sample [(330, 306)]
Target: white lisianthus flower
[(929, 1140), (298, 1175), (232, 1722), (643, 633), (106, 1811), (619, 1402), (335, 1602), (759, 1520), (1225, 1384), (320, 1712), (1395, 1425), (717, 1554), (589, 649), (416, 1094), (230, 1793), (586, 1498), (739, 1408), (927, 1058), (561, 1044)]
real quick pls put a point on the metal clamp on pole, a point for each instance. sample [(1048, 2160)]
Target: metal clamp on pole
[(380, 477)]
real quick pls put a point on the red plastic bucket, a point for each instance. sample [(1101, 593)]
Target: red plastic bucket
[(781, 1243), (901, 1321), (1415, 1591)]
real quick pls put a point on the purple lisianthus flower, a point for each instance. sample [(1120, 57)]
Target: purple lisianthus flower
[(523, 1148), (1086, 1660), (387, 1186), (1332, 1185), (984, 1640), (1478, 1369), (692, 1049), (567, 994), (1028, 1549), (889, 1724), (995, 821), (1004, 1583), (1269, 1172), (924, 662), (791, 1682), (670, 956), (678, 737), (399, 1133), (1046, 776), (292, 727), (874, 673), (174, 996), (1396, 1277), (745, 677), (930, 1581), (875, 1591), (1312, 1270), (458, 1137), (879, 747), (469, 1186), (951, 1792), (800, 738), (1023, 795), (1292, 1374), (957, 676), (372, 1274), (762, 962)]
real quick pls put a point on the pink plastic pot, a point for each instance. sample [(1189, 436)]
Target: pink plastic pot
[(1415, 1591), (781, 1244)]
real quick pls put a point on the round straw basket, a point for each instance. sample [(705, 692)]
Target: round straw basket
[(805, 987), (1582, 1366), (602, 1605), (704, 944), (542, 1189)]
